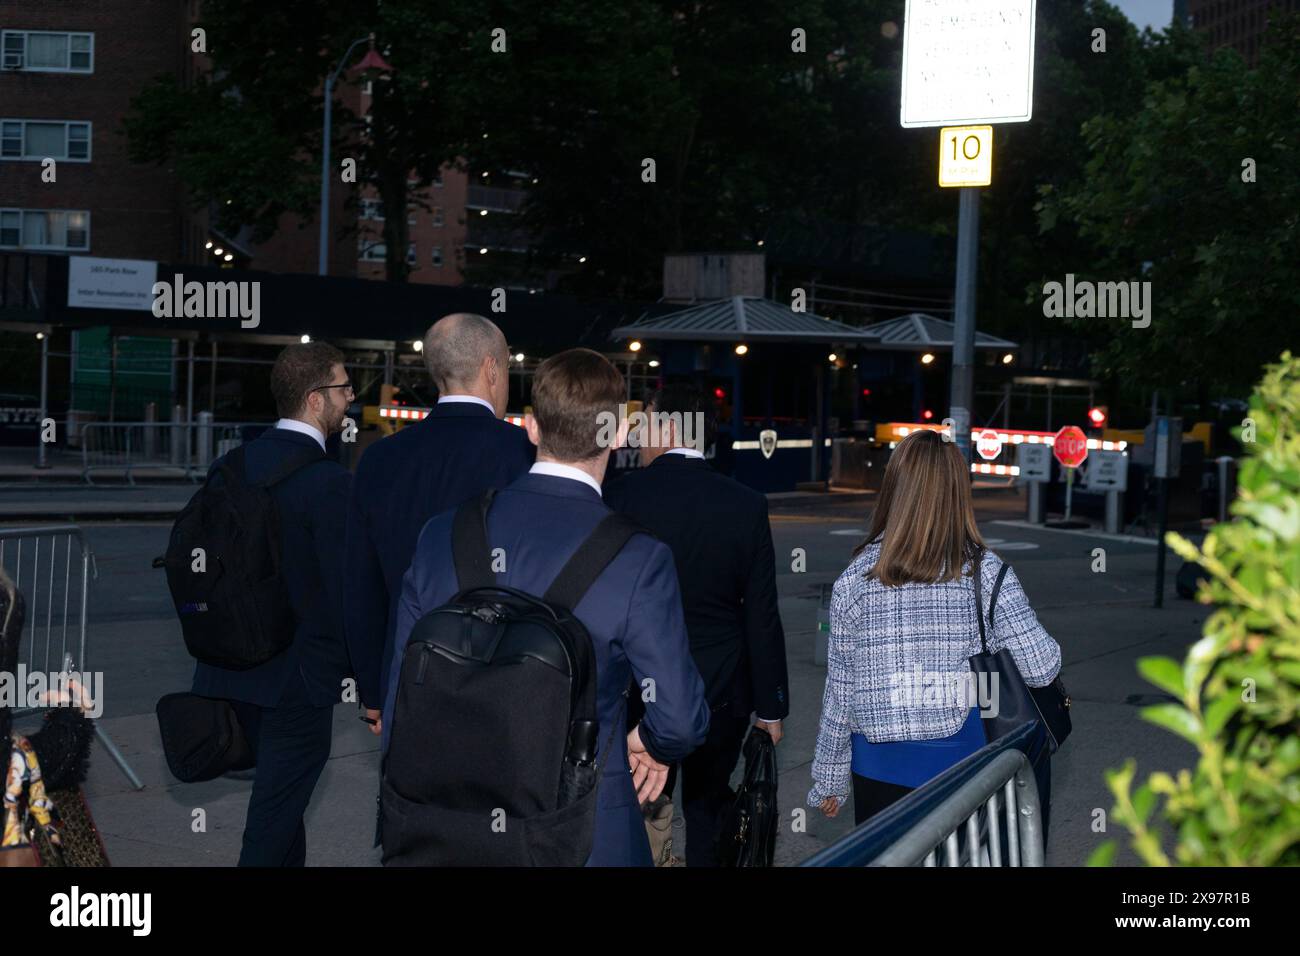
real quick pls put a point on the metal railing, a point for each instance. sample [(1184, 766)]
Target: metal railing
[(161, 448), (52, 566), (983, 811)]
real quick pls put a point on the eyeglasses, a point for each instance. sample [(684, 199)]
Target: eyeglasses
[(345, 385)]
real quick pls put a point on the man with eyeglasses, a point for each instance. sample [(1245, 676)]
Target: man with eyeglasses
[(285, 705)]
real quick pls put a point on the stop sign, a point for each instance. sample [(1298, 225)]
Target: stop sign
[(1070, 446), (988, 444)]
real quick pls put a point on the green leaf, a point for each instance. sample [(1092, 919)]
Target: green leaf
[(1144, 802), (1104, 855), (1164, 672), (1175, 718), (1219, 712)]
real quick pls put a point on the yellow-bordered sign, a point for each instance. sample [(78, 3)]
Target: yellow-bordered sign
[(966, 156)]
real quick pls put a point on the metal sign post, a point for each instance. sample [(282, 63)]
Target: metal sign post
[(966, 62), (1109, 473), (1035, 463), (1165, 465)]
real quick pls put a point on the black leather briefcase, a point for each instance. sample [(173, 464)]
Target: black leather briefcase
[(748, 836)]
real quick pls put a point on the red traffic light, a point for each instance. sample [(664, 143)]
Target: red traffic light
[(1098, 416), (719, 393), (866, 393), (927, 414)]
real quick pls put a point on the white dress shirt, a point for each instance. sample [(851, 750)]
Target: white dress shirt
[(302, 428), (467, 398), (556, 470)]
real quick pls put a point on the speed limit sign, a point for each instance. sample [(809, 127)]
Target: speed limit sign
[(966, 156)]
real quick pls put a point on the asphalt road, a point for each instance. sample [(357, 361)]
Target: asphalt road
[(1104, 622)]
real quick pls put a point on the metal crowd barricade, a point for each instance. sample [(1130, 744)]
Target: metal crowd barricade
[(125, 447), (161, 448), (982, 812), (52, 567)]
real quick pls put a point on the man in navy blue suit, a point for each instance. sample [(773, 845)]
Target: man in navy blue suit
[(285, 705), (633, 610), (460, 451)]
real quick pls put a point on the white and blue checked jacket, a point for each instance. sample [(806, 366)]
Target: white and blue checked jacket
[(892, 648)]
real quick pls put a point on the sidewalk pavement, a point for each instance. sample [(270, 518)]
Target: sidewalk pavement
[(53, 501), (1103, 622), (60, 499)]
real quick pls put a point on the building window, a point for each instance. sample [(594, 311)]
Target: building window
[(372, 209), (38, 139), (57, 230), (437, 217), (370, 250), (410, 254), (40, 51), (436, 256)]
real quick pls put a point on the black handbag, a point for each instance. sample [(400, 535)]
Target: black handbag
[(748, 836), (202, 737), (1015, 701)]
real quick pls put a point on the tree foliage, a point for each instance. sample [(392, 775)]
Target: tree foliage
[(1163, 198)]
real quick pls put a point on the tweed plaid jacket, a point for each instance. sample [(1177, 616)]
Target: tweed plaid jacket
[(898, 660)]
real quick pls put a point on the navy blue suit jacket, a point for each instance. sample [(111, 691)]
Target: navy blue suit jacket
[(312, 503), (460, 451), (633, 612)]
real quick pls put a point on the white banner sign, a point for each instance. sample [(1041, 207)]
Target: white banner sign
[(967, 61), (111, 283)]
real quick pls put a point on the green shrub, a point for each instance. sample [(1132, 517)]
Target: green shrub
[(1239, 686)]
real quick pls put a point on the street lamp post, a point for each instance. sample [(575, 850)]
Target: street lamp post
[(372, 61)]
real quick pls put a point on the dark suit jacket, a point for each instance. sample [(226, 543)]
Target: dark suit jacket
[(312, 503), (632, 611), (458, 452), (721, 541)]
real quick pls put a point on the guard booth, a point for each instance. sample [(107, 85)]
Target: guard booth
[(769, 369)]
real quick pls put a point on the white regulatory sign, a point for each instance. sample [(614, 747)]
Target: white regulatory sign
[(967, 61), (1035, 462), (1107, 471)]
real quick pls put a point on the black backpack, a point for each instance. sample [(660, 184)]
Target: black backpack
[(491, 755), (236, 612)]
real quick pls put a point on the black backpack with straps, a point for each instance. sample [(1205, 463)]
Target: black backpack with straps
[(491, 758), (223, 566)]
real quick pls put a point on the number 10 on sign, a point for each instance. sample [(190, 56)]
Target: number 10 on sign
[(966, 156)]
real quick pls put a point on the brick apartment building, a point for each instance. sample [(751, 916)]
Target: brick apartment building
[(68, 72), (1240, 24)]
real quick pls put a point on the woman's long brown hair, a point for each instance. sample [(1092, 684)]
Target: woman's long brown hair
[(924, 517)]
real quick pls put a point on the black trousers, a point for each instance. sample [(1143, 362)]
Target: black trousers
[(706, 774), (292, 743), (872, 796)]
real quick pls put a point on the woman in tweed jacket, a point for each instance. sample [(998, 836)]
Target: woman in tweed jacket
[(901, 704)]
